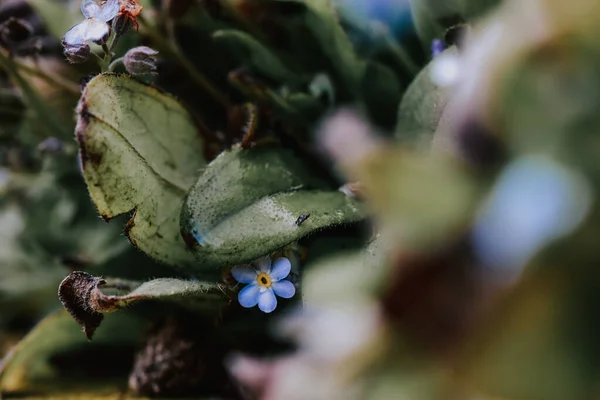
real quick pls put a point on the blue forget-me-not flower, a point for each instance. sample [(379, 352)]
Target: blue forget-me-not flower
[(264, 282)]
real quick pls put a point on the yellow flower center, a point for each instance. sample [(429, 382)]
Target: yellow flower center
[(264, 280)]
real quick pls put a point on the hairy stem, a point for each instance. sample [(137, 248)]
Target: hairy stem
[(108, 47), (173, 50), (115, 63)]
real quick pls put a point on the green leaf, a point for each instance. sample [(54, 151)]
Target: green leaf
[(305, 105), (246, 204), (30, 366), (433, 17), (82, 295), (251, 52), (140, 152), (317, 42), (322, 20), (421, 108)]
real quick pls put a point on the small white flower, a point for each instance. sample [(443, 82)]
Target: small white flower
[(264, 282), (95, 26)]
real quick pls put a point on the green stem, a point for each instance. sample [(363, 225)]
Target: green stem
[(40, 107), (115, 63), (54, 80), (173, 50), (108, 51)]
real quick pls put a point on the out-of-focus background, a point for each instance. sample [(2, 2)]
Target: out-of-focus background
[(427, 167)]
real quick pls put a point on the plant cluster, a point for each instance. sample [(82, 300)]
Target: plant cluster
[(299, 199)]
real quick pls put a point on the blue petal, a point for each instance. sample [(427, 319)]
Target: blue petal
[(89, 8), (285, 289), (245, 274), (281, 269), (264, 264), (248, 296), (267, 301), (109, 11)]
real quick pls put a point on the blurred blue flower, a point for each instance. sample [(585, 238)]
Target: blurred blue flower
[(535, 201), (395, 15), (437, 47), (95, 26), (264, 282)]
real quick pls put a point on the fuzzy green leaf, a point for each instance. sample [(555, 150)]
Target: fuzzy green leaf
[(247, 202), (140, 152), (421, 108)]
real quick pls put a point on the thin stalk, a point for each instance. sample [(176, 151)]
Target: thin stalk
[(108, 48), (45, 113), (115, 63), (173, 50), (58, 81)]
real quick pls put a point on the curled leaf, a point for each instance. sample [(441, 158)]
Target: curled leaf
[(75, 293), (82, 296), (247, 203)]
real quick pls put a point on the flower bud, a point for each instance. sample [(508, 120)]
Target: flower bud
[(140, 61), (50, 145), (76, 54), (14, 32)]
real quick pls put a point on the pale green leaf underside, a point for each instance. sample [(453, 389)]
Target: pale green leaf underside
[(140, 151), (165, 289)]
